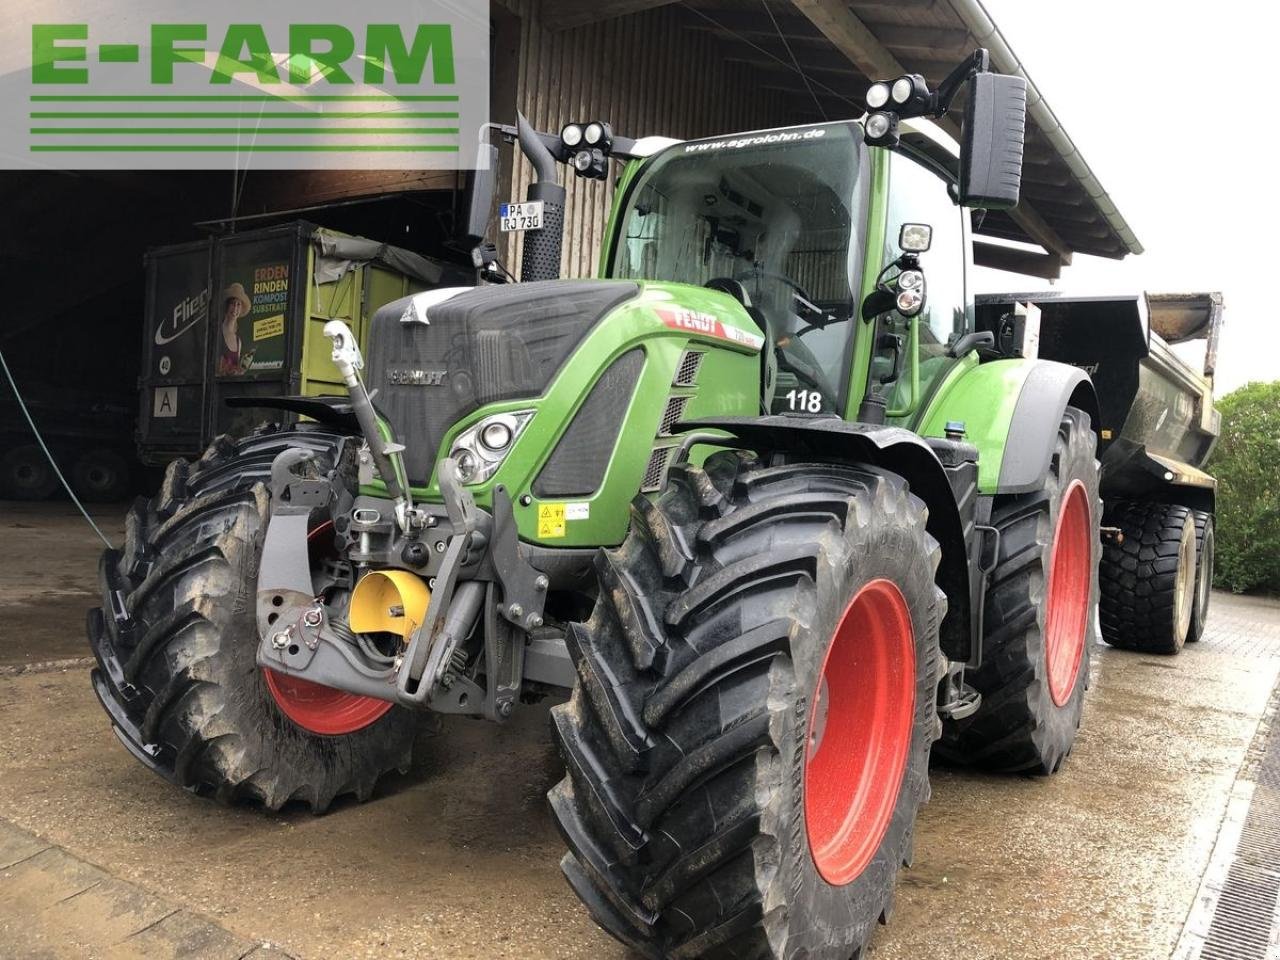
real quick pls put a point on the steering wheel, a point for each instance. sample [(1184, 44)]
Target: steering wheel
[(782, 278)]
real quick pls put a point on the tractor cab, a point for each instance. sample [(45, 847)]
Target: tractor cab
[(803, 226), (774, 221)]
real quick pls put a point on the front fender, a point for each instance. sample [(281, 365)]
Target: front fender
[(892, 448), (1011, 410)]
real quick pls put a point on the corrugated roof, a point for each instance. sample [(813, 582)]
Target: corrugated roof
[(826, 52)]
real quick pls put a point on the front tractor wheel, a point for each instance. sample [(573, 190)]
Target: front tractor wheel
[(177, 637), (1038, 619), (747, 745)]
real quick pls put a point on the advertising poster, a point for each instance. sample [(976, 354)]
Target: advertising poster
[(252, 300), (181, 315)]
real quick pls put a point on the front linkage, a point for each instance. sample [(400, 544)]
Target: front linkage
[(424, 573)]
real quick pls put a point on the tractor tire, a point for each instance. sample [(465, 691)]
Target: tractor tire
[(100, 476), (747, 743), (1204, 573), (1149, 578), (176, 640), (25, 474), (1039, 618)]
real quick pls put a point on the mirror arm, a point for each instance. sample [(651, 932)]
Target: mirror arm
[(977, 62), (913, 365)]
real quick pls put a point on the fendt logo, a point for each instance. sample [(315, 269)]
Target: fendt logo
[(380, 84)]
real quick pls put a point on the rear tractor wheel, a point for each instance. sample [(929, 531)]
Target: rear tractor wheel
[(1039, 618), (747, 744), (176, 641)]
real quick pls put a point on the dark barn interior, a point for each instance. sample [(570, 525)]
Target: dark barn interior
[(73, 330)]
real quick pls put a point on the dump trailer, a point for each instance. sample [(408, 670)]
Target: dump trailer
[(240, 317), (763, 507), (1157, 428)]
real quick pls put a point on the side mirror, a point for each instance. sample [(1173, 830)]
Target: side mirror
[(480, 201), (992, 140)]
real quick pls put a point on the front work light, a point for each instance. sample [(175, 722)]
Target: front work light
[(877, 95), (571, 135), (915, 237), (909, 302), (910, 94), (598, 134), (882, 129)]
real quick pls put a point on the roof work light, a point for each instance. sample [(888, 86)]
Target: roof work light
[(587, 147)]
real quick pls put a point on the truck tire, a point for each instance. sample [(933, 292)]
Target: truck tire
[(25, 474), (1039, 618), (1149, 577), (1204, 573), (727, 794), (100, 476), (176, 639)]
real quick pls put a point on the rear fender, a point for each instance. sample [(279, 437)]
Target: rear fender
[(892, 448), (1011, 410)]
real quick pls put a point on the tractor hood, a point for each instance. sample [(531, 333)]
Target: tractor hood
[(438, 356)]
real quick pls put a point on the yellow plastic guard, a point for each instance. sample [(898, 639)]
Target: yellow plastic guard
[(389, 601)]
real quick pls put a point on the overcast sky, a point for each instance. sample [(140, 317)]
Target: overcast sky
[(1171, 105)]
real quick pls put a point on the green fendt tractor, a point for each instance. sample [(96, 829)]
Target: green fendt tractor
[(718, 501)]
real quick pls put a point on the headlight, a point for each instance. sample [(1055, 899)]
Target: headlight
[(480, 449)]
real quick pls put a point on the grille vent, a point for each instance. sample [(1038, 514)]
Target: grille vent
[(687, 372), (672, 415), (652, 481)]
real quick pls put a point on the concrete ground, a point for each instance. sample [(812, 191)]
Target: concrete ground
[(458, 859)]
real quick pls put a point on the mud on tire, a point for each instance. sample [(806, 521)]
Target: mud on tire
[(1020, 726), (685, 740), (176, 637)]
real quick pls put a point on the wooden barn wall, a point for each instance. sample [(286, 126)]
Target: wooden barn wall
[(647, 74)]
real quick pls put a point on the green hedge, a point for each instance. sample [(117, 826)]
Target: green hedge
[(1247, 465)]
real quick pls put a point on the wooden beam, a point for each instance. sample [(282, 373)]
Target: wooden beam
[(567, 14), (1027, 262), (857, 42)]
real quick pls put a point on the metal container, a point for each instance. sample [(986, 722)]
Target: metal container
[(242, 317), (1158, 422)]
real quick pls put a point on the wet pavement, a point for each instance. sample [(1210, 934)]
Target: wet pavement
[(458, 859)]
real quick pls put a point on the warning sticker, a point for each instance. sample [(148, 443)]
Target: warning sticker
[(551, 521)]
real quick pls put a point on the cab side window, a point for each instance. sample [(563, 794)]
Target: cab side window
[(919, 195)]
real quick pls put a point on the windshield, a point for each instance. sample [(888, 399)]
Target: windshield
[(772, 218)]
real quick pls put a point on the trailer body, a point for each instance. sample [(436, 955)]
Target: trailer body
[(285, 282)]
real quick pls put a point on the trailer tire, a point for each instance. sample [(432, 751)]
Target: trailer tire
[(25, 474), (1039, 618), (176, 642), (1204, 573), (100, 476), (1149, 577), (691, 806)]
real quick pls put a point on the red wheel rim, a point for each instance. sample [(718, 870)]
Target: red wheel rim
[(318, 708), (1067, 604), (859, 733)]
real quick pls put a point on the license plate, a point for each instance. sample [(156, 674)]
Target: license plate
[(516, 217)]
